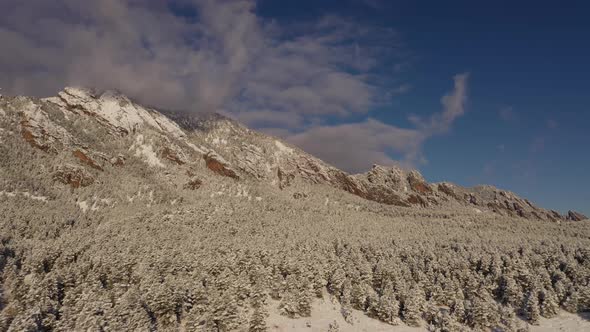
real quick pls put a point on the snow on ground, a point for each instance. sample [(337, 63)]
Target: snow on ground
[(564, 322), (37, 198), (324, 313), (26, 194)]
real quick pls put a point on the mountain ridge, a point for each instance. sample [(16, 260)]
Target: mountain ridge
[(190, 140)]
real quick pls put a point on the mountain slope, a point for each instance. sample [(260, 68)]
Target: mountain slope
[(179, 144)]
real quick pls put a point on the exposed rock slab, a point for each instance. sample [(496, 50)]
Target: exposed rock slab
[(575, 216)]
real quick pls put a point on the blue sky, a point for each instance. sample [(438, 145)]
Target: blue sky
[(468, 92), (526, 124)]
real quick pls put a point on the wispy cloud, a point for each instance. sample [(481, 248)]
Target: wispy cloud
[(356, 146), (453, 107)]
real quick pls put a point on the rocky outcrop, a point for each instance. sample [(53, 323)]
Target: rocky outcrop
[(118, 161), (284, 178), (418, 184), (73, 176), (114, 111), (84, 158), (575, 216), (217, 164), (37, 128), (448, 189), (173, 155), (417, 200), (391, 177)]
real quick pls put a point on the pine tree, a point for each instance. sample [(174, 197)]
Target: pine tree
[(335, 281), (483, 311), (334, 327), (412, 307), (510, 292), (358, 297), (531, 307), (508, 318), (549, 305), (572, 302), (258, 320), (388, 307)]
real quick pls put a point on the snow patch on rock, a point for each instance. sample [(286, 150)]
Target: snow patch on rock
[(117, 110), (83, 206), (219, 141), (146, 152), (283, 148)]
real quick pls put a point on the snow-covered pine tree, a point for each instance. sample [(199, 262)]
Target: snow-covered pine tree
[(549, 303), (531, 307)]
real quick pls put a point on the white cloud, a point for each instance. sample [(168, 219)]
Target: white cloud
[(453, 107), (284, 78), (140, 48), (356, 146), (227, 58)]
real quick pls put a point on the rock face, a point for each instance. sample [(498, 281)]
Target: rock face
[(217, 164), (74, 176), (175, 143), (575, 216)]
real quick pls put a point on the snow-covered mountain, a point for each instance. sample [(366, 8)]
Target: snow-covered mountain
[(88, 138)]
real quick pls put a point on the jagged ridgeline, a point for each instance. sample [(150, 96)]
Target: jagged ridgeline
[(114, 216)]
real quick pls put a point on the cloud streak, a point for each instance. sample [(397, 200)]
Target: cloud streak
[(356, 146)]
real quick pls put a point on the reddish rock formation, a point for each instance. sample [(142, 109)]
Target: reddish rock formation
[(218, 165), (346, 182), (418, 184), (27, 132), (83, 157)]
